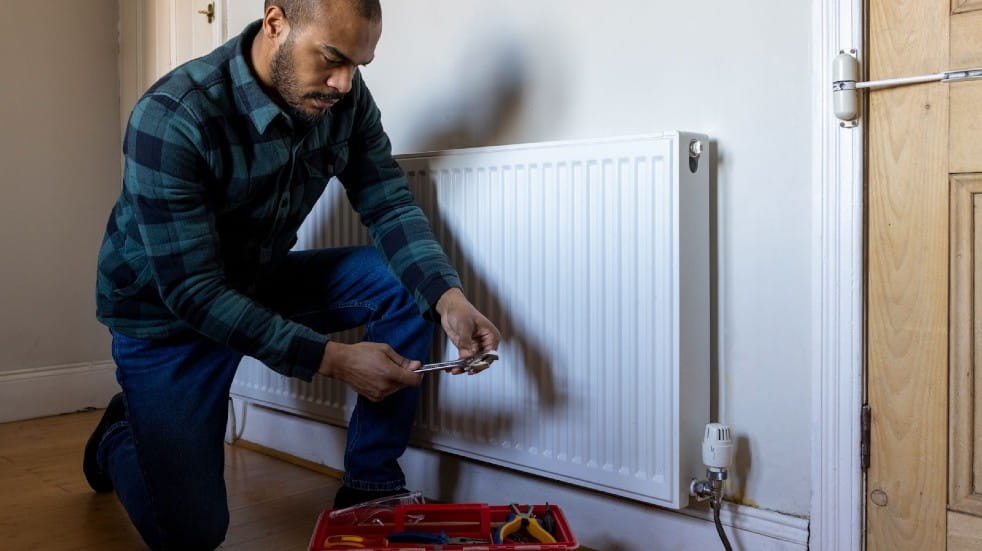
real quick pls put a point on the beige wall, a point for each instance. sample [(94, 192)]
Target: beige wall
[(59, 174)]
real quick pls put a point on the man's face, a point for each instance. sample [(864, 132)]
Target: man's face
[(313, 66)]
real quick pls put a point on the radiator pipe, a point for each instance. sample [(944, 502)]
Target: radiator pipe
[(716, 503), (712, 489)]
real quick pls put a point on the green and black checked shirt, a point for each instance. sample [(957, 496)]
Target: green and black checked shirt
[(217, 181)]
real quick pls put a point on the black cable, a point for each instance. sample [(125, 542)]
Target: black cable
[(719, 525)]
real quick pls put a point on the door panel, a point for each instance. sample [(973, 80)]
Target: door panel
[(959, 6), (966, 40), (965, 448), (966, 97), (966, 125)]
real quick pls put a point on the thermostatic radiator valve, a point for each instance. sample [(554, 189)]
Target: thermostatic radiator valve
[(717, 455)]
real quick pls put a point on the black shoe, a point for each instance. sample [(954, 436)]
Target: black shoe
[(98, 479), (347, 496)]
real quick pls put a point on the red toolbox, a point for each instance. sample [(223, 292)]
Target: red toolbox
[(473, 521)]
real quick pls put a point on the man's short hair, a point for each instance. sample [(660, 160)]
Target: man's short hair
[(300, 12)]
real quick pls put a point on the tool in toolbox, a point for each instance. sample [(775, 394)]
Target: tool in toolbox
[(352, 541), (548, 520), (467, 364), (429, 537), (523, 522)]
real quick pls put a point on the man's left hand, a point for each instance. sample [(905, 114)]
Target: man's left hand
[(468, 329)]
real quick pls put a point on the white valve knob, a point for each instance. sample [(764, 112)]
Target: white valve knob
[(717, 446)]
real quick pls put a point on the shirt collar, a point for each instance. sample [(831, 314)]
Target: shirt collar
[(249, 95)]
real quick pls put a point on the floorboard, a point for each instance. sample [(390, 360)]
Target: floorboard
[(47, 505)]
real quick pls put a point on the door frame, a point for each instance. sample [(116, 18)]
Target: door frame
[(838, 360)]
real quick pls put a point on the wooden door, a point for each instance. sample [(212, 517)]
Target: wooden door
[(924, 209)]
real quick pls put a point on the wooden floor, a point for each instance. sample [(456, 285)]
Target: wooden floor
[(45, 503)]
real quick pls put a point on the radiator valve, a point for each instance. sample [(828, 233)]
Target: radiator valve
[(717, 455)]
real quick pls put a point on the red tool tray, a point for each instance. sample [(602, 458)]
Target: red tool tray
[(461, 520)]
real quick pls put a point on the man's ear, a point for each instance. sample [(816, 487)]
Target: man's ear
[(275, 25)]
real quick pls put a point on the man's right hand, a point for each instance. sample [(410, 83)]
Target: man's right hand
[(373, 369)]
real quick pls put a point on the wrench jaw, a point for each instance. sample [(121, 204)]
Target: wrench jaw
[(480, 362)]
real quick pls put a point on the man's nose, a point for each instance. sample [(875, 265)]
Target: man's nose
[(340, 78)]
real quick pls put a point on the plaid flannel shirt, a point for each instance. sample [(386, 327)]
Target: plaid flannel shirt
[(217, 181)]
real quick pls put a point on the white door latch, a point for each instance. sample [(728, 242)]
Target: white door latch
[(845, 84)]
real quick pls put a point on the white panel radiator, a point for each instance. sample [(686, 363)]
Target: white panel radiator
[(593, 259)]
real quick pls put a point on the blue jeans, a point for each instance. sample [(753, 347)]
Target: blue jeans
[(166, 459)]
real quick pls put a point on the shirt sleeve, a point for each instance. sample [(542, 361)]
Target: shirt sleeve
[(376, 187), (166, 181)]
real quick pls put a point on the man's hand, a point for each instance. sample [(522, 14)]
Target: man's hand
[(373, 369), (467, 328)]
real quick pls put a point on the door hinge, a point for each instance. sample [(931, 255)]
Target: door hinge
[(864, 448)]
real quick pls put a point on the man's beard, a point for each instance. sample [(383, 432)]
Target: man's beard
[(284, 77)]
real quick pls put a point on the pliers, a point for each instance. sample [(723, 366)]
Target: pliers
[(520, 521), (467, 364)]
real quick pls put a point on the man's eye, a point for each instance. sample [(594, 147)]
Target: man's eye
[(332, 62)]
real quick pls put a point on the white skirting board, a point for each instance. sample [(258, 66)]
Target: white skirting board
[(52, 390), (599, 521)]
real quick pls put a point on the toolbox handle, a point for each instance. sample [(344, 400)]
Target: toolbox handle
[(461, 511)]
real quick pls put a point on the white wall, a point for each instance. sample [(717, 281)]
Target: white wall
[(453, 74), (239, 13), (59, 168)]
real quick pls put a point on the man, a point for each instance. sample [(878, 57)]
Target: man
[(225, 157)]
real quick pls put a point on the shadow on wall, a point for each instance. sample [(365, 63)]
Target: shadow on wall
[(484, 110), (497, 98), (740, 469), (484, 105), (714, 248)]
